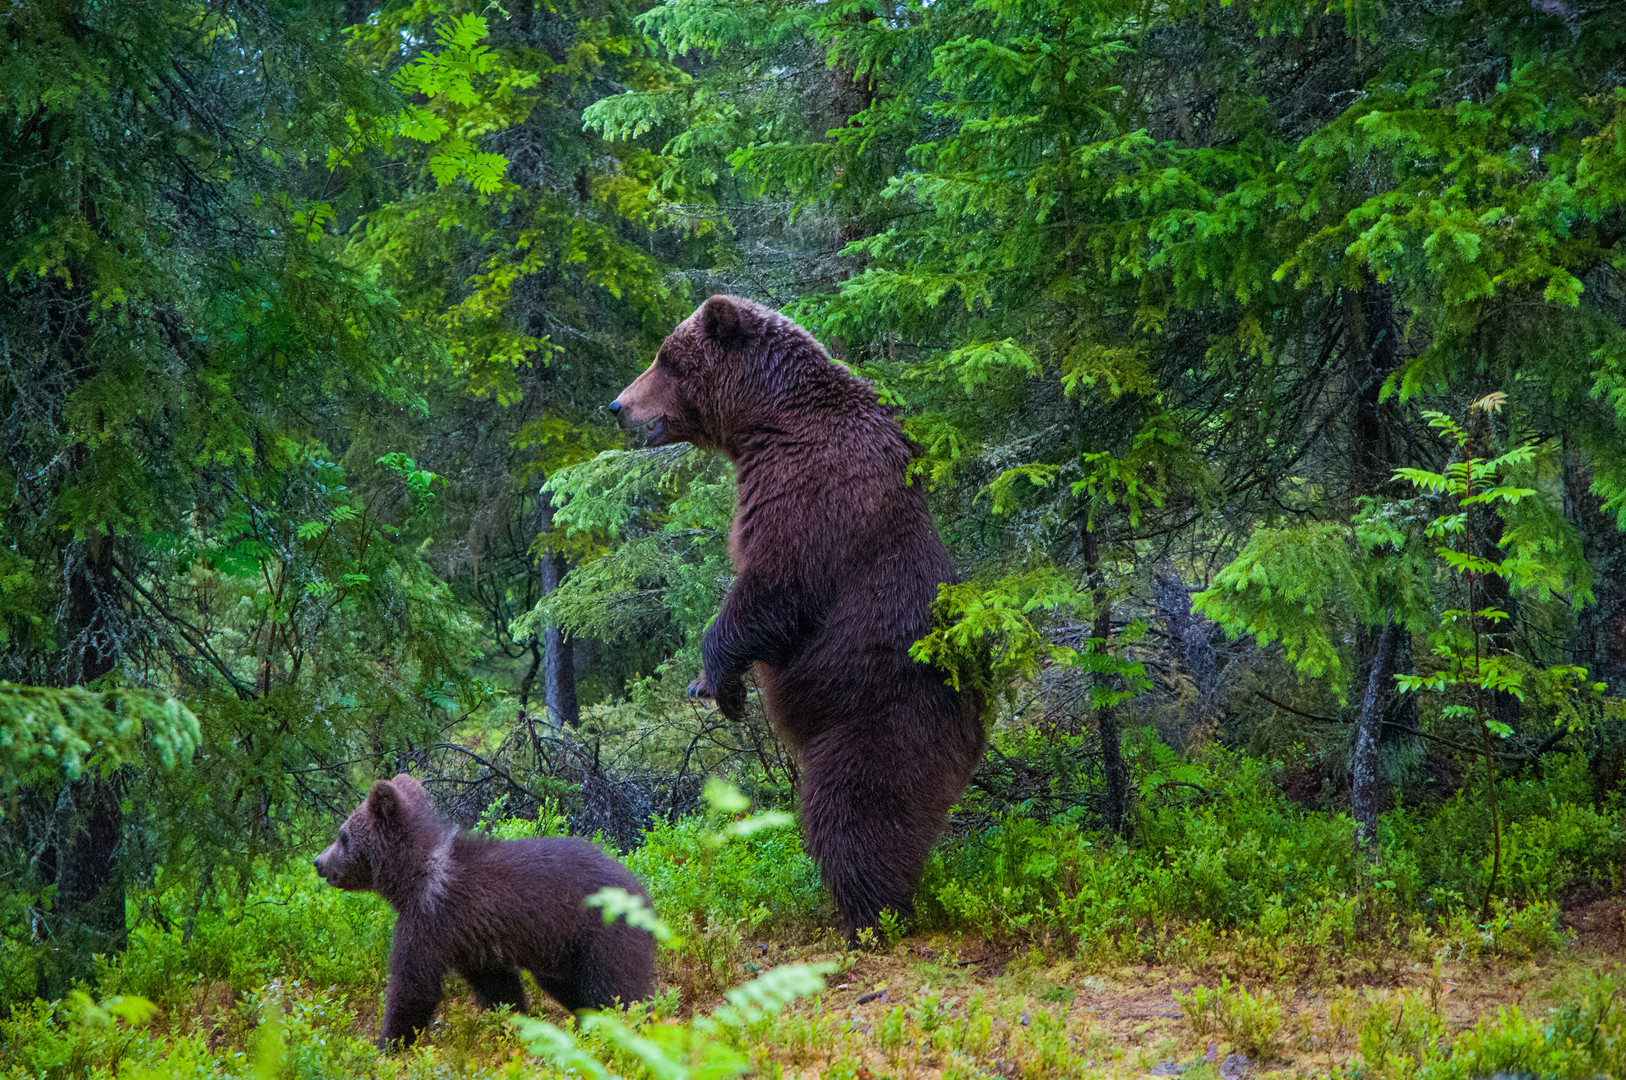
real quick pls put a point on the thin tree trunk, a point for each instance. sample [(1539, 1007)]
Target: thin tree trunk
[(528, 681), (1368, 730), (558, 663), (1116, 811), (1373, 351), (1106, 718), (559, 679), (87, 915)]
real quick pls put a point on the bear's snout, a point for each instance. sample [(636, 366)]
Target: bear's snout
[(647, 403)]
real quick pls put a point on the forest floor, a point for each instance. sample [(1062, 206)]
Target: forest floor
[(932, 1006), (1128, 1021), (936, 1006)]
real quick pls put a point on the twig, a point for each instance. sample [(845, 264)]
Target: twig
[(499, 770), (1297, 712), (1441, 739)]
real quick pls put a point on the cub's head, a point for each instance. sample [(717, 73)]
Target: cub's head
[(387, 825), (708, 376)]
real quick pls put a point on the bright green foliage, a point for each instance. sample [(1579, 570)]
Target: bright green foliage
[(45, 733), (659, 565), (1470, 667), (705, 872), (1286, 585), (505, 232), (701, 1049), (1220, 852), (967, 616), (1218, 847), (450, 74), (1582, 1039), (1250, 1021), (480, 237)]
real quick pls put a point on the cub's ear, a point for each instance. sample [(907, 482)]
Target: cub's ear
[(409, 787), (720, 320), (383, 801)]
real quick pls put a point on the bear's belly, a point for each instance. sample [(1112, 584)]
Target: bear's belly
[(822, 690)]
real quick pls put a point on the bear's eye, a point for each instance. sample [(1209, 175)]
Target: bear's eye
[(344, 838), (668, 360)]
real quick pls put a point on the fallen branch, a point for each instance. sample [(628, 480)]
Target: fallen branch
[(1441, 739)]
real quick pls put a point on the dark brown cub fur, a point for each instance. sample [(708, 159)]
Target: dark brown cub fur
[(487, 909), (838, 563)]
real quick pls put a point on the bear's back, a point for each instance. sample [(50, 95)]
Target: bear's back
[(520, 904), (564, 866)]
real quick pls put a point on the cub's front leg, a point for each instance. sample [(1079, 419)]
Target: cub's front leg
[(414, 992)]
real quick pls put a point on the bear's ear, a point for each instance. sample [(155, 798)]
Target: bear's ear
[(720, 320), (410, 788), (383, 801)]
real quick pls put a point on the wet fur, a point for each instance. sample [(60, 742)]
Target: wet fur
[(838, 562), (487, 909)]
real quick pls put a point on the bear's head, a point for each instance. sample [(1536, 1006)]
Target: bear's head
[(383, 834), (714, 372)]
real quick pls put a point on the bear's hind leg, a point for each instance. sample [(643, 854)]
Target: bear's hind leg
[(869, 815), (496, 987)]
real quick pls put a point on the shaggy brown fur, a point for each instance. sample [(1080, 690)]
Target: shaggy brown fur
[(838, 563), (486, 909)]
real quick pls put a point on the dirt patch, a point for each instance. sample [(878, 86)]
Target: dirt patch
[(1595, 917)]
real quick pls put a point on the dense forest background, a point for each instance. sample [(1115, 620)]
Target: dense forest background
[(1267, 363)]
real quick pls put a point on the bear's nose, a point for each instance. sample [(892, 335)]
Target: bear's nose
[(317, 862), (615, 407)]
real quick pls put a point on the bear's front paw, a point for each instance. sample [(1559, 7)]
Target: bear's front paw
[(730, 700)]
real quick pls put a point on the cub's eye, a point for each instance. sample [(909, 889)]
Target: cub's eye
[(344, 838)]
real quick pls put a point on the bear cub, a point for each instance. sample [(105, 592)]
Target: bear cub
[(486, 909)]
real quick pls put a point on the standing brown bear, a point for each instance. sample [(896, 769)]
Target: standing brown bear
[(486, 909), (837, 563)]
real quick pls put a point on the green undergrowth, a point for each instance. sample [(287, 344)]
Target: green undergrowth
[(1224, 870), (1252, 901), (935, 1022)]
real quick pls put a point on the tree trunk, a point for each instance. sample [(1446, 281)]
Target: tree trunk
[(1368, 731), (87, 914), (1600, 638), (1115, 813), (1372, 346), (527, 682), (558, 665)]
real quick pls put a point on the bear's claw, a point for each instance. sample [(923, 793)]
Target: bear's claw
[(731, 701)]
